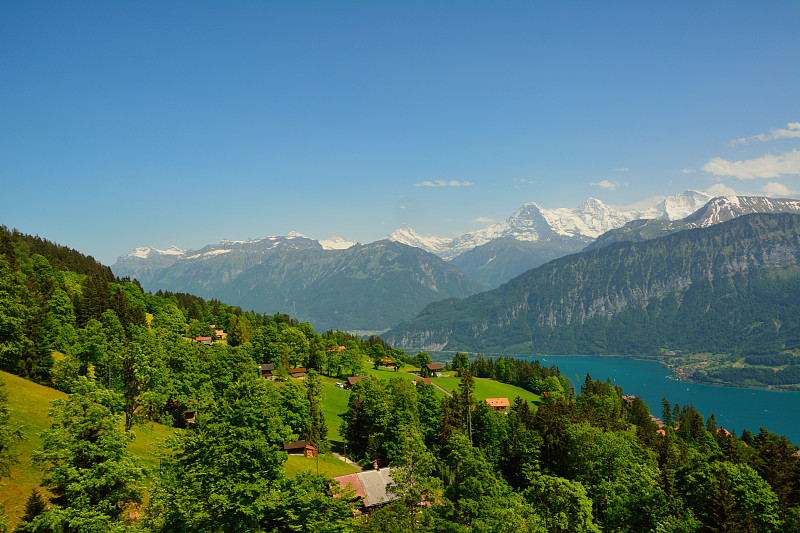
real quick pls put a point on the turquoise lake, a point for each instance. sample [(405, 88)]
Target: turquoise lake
[(735, 409)]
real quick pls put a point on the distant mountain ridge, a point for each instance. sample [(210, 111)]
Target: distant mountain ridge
[(531, 222), (729, 286), (534, 235), (718, 210), (358, 287)]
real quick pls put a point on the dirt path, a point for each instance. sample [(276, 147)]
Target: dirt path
[(345, 459)]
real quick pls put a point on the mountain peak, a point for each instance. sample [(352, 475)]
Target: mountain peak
[(336, 243), (430, 243), (144, 252)]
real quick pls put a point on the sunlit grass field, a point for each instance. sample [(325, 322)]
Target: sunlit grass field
[(489, 388)]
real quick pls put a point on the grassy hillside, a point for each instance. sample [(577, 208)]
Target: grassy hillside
[(488, 388), (29, 404)]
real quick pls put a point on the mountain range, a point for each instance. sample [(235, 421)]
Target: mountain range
[(360, 287), (534, 235), (727, 287), (338, 283)]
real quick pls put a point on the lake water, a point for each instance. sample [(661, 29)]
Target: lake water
[(735, 409)]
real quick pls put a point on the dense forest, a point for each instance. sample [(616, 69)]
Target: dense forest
[(588, 460)]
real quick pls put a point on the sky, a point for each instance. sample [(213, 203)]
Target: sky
[(126, 124)]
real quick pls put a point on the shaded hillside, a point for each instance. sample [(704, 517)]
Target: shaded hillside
[(732, 286), (501, 259), (364, 287)]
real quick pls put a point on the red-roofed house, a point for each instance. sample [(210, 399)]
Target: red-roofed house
[(498, 404), (203, 340), (426, 380)]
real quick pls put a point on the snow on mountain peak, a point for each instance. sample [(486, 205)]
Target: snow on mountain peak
[(144, 252), (430, 243), (336, 243)]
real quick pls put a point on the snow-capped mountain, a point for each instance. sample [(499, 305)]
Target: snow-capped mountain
[(533, 223), (147, 251), (429, 243), (724, 208), (336, 243), (717, 210)]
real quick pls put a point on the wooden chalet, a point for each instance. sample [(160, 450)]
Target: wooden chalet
[(298, 373), (300, 447), (267, 370), (352, 380), (203, 340), (498, 404), (434, 368)]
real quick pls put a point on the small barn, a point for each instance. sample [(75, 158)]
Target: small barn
[(298, 373), (352, 380), (300, 447), (267, 370)]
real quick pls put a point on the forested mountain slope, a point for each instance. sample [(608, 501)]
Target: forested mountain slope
[(363, 287), (731, 286)]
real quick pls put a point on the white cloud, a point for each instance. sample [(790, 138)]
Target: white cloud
[(444, 183), (767, 166), (621, 169), (720, 189), (605, 184), (776, 189), (402, 207), (791, 131), (523, 180), (687, 170), (484, 220)]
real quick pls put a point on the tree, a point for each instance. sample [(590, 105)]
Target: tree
[(562, 504), (317, 434), (9, 435), (414, 464), (728, 497), (226, 474), (15, 308), (88, 470), (421, 359), (460, 362)]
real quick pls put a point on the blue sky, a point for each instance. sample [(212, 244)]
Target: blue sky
[(125, 124)]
